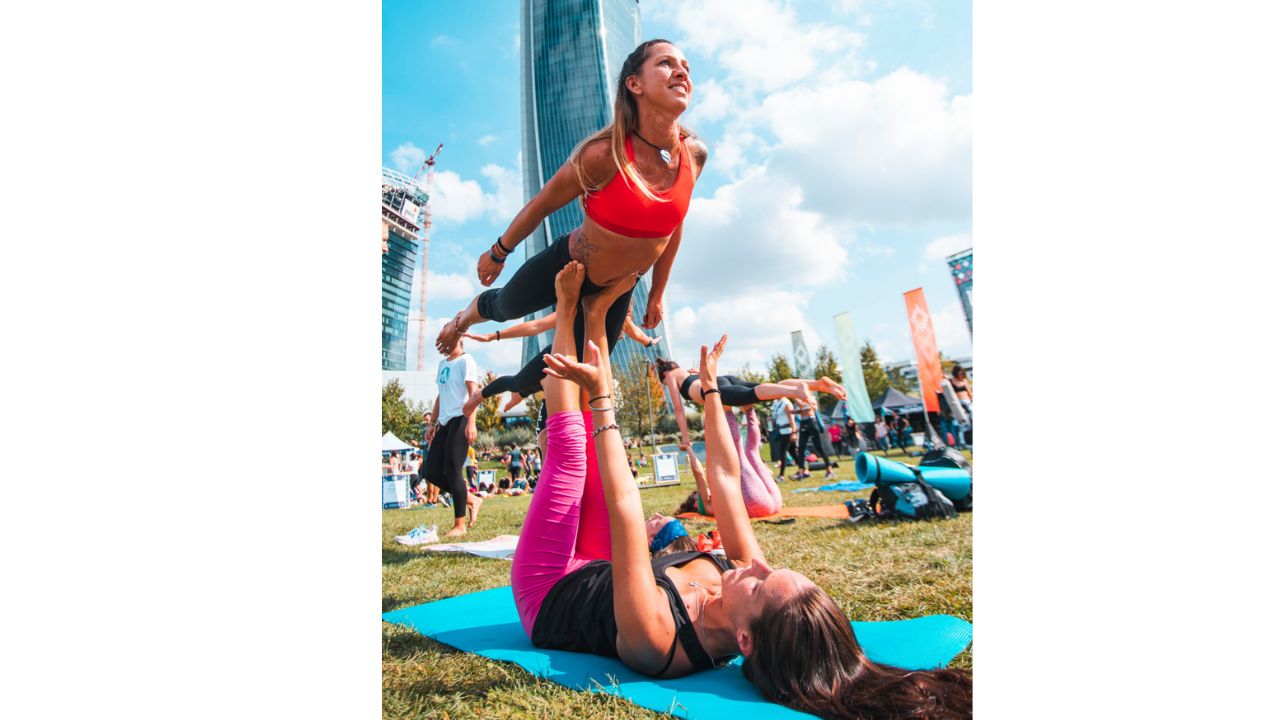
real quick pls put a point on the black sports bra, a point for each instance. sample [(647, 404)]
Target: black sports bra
[(684, 386), (577, 613)]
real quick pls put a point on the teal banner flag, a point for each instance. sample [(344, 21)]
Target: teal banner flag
[(803, 368), (858, 405)]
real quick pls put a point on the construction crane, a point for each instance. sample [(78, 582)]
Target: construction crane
[(429, 165)]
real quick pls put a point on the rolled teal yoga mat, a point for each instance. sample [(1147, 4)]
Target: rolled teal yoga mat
[(486, 623), (842, 486)]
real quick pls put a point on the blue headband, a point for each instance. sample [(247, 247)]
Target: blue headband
[(669, 532)]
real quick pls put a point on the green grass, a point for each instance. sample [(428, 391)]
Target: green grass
[(875, 572)]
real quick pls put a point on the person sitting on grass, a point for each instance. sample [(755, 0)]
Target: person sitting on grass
[(583, 579)]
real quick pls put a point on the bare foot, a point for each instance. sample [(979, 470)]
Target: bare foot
[(603, 300), (473, 402), (447, 340), (514, 401), (473, 510), (569, 284), (831, 387), (457, 531)]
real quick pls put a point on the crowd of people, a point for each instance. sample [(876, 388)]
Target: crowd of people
[(591, 574)]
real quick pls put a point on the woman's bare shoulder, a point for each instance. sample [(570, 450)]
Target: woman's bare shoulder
[(597, 161)]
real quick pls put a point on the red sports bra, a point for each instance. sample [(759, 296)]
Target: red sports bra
[(622, 208)]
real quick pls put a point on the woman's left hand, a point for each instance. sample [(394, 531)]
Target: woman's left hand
[(588, 375)]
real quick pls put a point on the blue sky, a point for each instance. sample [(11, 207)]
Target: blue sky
[(839, 173)]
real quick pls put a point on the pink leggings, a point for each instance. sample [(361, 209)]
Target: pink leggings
[(759, 492), (567, 525)]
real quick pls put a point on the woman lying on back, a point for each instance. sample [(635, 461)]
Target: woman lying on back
[(583, 578)]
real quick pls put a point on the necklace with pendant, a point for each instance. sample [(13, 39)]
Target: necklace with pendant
[(663, 153)]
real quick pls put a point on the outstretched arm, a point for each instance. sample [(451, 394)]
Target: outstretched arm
[(661, 272), (558, 192), (700, 477), (724, 471), (524, 329), (681, 421), (637, 334)]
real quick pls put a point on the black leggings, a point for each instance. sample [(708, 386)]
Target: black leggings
[(787, 445), (809, 430), (734, 391), (533, 288), (443, 465)]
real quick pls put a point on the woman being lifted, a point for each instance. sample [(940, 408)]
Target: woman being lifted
[(634, 179)]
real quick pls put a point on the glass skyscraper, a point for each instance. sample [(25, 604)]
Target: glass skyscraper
[(571, 52), (402, 204)]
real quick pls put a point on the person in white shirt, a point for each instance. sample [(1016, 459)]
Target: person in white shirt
[(784, 424), (452, 430)]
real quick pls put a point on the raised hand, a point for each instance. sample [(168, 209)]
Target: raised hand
[(709, 361), (589, 376), (488, 270)]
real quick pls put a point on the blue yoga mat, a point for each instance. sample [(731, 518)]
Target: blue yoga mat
[(486, 623), (842, 486)]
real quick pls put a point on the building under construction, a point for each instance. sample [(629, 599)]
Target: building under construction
[(403, 203)]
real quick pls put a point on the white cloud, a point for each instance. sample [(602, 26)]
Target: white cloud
[(759, 325), (753, 233), (940, 248), (711, 104), (486, 140), (760, 43), (446, 286), (454, 199), (950, 330), (897, 150), (508, 195), (408, 158)]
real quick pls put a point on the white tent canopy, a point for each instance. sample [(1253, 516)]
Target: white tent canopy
[(391, 443)]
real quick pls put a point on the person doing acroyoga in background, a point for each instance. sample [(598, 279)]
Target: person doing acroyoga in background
[(584, 581), (634, 179), (759, 489)]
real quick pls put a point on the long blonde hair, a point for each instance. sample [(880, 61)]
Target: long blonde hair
[(626, 120)]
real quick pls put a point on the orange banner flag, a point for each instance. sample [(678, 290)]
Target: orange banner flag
[(927, 360)]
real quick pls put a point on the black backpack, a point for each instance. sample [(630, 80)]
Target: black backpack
[(946, 457), (916, 500)]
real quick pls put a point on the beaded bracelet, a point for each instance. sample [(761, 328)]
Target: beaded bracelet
[(610, 426)]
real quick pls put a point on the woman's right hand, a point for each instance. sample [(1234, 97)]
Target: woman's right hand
[(488, 270), (482, 337)]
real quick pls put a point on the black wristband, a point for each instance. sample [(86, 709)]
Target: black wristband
[(598, 397), (496, 259), (497, 334), (708, 392), (504, 247)]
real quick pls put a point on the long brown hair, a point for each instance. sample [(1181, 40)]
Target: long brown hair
[(806, 657), (626, 120)]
